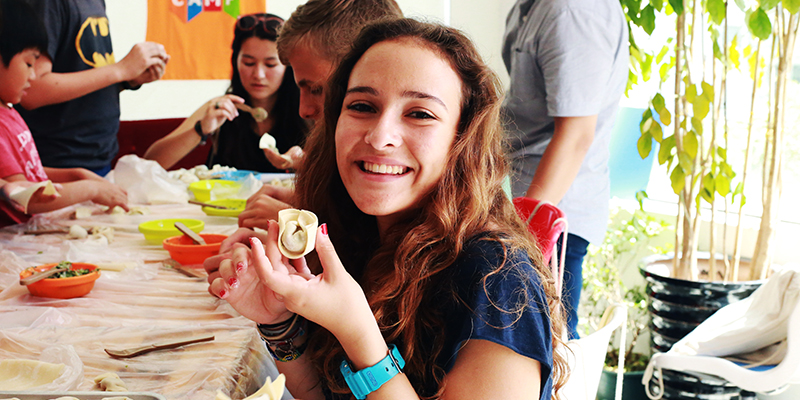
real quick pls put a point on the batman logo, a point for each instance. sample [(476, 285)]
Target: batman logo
[(94, 42)]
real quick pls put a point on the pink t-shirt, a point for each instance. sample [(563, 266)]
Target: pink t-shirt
[(18, 155)]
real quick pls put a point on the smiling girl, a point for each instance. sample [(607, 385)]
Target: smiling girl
[(259, 80), (429, 285)]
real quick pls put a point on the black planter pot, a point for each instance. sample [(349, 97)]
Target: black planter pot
[(632, 388), (677, 306), (680, 386)]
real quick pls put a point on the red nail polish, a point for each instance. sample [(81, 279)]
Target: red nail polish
[(222, 293), (233, 282), (239, 266), (324, 229), (252, 241)]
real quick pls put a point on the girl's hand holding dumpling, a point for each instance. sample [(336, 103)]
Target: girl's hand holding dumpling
[(241, 285)]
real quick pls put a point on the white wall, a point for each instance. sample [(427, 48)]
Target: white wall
[(482, 20)]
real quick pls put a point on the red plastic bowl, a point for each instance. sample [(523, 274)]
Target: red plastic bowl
[(183, 250), (62, 288)]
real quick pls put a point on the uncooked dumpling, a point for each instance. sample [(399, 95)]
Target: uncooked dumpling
[(298, 231), (272, 390), (27, 374), (268, 142), (110, 382)]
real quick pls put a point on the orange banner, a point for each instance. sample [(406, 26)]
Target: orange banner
[(197, 34)]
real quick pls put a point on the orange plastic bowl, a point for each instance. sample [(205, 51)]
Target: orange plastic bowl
[(62, 288), (183, 250)]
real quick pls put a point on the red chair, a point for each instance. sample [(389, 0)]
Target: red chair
[(546, 222), (136, 136)]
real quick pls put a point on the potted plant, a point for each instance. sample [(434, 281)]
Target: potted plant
[(629, 236), (692, 102)]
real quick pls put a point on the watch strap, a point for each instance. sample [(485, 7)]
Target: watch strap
[(369, 379), (198, 127)]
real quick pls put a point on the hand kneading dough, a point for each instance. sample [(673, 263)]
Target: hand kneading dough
[(270, 391), (27, 374), (110, 382), (298, 232)]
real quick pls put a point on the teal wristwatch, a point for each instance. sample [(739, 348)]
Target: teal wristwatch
[(369, 379)]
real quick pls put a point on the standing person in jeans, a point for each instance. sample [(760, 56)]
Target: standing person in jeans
[(73, 107), (568, 63)]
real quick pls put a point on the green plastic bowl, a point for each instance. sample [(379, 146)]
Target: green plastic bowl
[(157, 230), (236, 205), (222, 189)]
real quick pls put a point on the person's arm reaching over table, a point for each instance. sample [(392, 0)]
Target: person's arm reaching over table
[(144, 63)]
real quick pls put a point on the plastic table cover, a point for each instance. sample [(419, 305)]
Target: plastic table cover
[(145, 304)]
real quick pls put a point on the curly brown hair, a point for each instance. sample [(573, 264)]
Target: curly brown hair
[(400, 270)]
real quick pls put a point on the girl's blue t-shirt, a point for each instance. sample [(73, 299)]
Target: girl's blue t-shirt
[(484, 312), (509, 308)]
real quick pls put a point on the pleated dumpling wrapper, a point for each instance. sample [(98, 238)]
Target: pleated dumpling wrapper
[(298, 232), (272, 390)]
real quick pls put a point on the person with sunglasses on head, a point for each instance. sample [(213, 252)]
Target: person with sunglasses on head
[(73, 107), (312, 41), (259, 80), (425, 282)]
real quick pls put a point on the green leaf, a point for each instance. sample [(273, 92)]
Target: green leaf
[(691, 93), (662, 111), (663, 71), (791, 5), (677, 179), (656, 132), (738, 189), (697, 126), (666, 148), (733, 54), (690, 145), (717, 52), (661, 54), (707, 188), (708, 91), (640, 196), (767, 5), (647, 19), (647, 119), (685, 162), (759, 25), (647, 66), (700, 107), (740, 4), (657, 4), (645, 145), (677, 6), (722, 153), (716, 11), (722, 184)]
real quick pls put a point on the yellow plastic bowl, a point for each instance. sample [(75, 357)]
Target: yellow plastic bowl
[(222, 189), (236, 205), (157, 230)]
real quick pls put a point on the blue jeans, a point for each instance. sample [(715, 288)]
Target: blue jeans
[(573, 280)]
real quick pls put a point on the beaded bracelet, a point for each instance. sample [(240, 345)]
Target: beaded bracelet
[(286, 340)]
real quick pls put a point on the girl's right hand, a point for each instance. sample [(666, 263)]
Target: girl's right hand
[(239, 284), (219, 110)]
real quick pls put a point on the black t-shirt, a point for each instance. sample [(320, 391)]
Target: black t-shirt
[(237, 143), (80, 132)]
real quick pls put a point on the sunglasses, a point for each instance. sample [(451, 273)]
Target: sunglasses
[(268, 24)]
